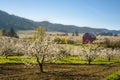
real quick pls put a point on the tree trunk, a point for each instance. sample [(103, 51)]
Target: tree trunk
[(39, 64), (89, 61), (6, 57), (109, 59), (40, 67)]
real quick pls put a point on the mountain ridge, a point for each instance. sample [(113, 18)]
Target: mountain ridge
[(19, 23)]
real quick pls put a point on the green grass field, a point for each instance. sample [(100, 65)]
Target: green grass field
[(77, 60), (16, 59), (114, 76), (66, 60)]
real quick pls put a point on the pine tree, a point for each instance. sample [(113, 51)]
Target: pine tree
[(11, 33), (76, 33), (73, 34)]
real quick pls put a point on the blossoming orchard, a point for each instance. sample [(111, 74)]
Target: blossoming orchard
[(41, 50)]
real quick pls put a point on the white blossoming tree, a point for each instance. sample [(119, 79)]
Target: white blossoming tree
[(110, 53), (43, 49), (7, 46), (89, 53)]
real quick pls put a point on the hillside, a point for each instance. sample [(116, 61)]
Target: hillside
[(19, 23), (7, 21)]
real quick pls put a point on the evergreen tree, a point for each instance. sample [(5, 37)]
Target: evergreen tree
[(3, 32), (73, 34), (76, 33), (11, 33)]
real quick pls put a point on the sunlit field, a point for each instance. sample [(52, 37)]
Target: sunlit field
[(80, 61), (59, 39), (66, 60)]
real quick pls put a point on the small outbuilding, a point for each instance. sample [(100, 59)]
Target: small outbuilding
[(89, 37)]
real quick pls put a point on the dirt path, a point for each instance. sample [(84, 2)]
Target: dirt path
[(57, 72)]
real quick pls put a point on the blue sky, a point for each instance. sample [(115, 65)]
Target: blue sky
[(92, 13)]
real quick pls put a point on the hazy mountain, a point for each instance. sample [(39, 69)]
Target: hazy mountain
[(7, 21), (19, 23)]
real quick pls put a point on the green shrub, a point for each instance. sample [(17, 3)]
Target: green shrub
[(63, 40), (114, 76), (112, 43)]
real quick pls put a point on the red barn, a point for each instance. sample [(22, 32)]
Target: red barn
[(88, 38)]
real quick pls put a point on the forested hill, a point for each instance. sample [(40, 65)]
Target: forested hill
[(18, 23)]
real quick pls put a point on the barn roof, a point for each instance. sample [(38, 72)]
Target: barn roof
[(91, 34)]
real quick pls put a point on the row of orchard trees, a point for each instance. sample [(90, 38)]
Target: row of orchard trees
[(91, 52), (44, 49)]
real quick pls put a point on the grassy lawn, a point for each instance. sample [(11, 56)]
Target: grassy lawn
[(77, 60), (16, 59), (66, 60), (114, 76)]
